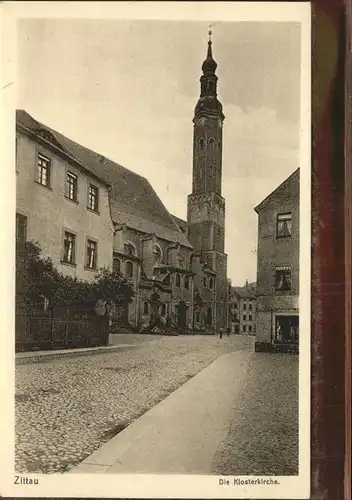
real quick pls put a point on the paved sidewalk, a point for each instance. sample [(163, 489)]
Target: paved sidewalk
[(182, 433)]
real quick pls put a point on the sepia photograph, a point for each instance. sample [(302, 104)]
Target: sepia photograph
[(161, 249)]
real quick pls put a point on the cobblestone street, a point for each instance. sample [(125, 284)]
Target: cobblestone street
[(67, 408), (263, 431)]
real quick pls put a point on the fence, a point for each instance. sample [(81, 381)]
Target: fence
[(60, 329)]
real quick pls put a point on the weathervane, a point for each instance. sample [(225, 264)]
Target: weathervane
[(210, 32)]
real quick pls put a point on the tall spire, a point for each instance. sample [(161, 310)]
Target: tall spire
[(209, 65)]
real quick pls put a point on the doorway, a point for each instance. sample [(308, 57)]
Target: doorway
[(181, 314)]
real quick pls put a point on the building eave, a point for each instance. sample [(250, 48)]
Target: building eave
[(60, 152)]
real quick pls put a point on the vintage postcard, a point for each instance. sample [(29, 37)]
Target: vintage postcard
[(156, 301)]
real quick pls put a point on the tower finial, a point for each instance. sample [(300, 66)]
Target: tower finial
[(210, 32)]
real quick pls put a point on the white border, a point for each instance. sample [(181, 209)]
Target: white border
[(150, 486)]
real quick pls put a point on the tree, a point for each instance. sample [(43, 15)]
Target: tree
[(37, 277)]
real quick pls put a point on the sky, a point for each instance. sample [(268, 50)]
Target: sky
[(127, 89)]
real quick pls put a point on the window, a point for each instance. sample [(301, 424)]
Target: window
[(197, 317), (21, 228), (201, 143), (212, 143), (187, 280), (157, 254), (178, 280), (92, 250), (129, 249), (234, 317), (283, 278), (43, 170), (129, 269), (250, 317), (71, 186), (235, 305), (284, 225), (244, 317), (250, 306), (211, 283), (163, 309), (93, 198), (244, 328), (250, 328), (205, 281), (244, 306), (69, 248), (210, 172), (201, 171), (146, 308), (116, 266)]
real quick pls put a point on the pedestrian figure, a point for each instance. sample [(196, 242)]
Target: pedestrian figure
[(221, 332), (228, 331)]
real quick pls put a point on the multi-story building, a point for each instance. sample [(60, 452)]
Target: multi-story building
[(87, 212), (60, 202), (242, 309), (277, 323)]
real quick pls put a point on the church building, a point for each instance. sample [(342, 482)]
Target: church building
[(178, 268)]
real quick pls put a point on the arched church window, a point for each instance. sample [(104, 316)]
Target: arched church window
[(116, 266), (129, 270), (129, 249), (158, 255), (211, 143), (210, 172), (201, 143), (178, 280)]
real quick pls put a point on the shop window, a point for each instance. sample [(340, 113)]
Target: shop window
[(286, 330)]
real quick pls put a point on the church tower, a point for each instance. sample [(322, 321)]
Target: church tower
[(206, 206)]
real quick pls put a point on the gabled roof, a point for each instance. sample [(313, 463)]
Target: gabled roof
[(292, 177), (245, 292), (133, 201)]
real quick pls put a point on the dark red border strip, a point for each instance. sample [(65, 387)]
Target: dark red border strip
[(328, 250)]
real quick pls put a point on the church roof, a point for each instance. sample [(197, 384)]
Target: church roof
[(245, 292), (133, 200), (182, 224)]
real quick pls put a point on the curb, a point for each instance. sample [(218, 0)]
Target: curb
[(29, 358)]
